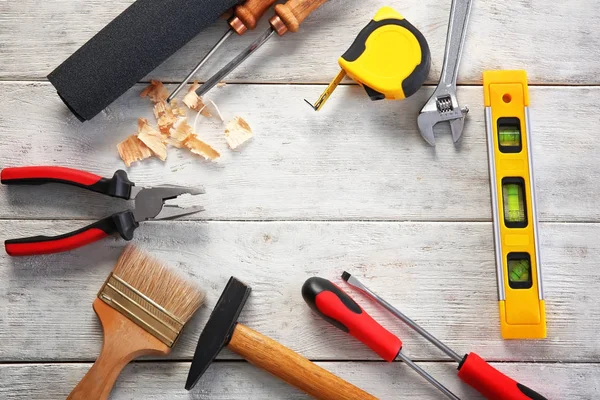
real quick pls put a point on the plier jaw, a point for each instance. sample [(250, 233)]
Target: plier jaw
[(149, 205)]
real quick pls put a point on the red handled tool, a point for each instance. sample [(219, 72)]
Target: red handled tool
[(472, 369), (149, 205), (336, 307)]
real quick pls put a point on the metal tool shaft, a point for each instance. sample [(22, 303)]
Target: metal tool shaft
[(457, 32), (451, 353), (200, 64), (233, 64), (427, 377)]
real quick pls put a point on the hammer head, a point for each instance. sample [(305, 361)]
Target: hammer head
[(219, 328)]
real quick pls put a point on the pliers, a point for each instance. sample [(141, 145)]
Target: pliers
[(149, 205)]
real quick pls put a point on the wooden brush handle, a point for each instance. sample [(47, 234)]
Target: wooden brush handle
[(290, 15), (291, 367), (123, 341)]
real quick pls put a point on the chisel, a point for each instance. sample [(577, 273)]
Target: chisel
[(472, 369), (288, 17), (245, 16), (337, 308)]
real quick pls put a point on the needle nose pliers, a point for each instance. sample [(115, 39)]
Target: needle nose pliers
[(149, 204)]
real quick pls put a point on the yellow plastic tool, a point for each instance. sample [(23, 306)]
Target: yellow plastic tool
[(520, 292), (390, 58)]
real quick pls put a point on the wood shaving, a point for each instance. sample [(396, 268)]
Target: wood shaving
[(221, 84), (197, 146), (194, 102), (133, 149), (179, 133), (180, 111), (156, 91), (164, 116), (237, 132), (152, 138)]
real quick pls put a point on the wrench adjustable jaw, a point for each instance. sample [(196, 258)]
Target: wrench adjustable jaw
[(443, 104)]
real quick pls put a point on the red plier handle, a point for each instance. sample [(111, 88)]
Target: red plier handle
[(119, 185)]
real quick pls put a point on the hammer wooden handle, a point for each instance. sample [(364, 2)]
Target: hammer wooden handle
[(248, 14), (123, 341), (290, 15), (291, 367)]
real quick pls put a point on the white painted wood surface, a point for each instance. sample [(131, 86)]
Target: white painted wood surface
[(351, 188)]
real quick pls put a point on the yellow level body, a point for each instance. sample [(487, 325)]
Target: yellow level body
[(520, 291)]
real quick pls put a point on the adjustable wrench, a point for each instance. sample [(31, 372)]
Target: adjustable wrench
[(443, 105)]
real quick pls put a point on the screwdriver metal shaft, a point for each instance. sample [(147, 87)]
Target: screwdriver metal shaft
[(352, 281), (427, 377)]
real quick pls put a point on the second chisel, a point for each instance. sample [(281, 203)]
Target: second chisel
[(245, 16), (288, 17)]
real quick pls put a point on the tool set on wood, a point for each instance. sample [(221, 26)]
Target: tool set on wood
[(144, 305)]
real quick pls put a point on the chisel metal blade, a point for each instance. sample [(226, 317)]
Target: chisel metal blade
[(216, 78)]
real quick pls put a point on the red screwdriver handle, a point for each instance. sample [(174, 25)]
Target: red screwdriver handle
[(491, 383), (336, 307)]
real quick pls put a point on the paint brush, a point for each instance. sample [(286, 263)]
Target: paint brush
[(143, 306)]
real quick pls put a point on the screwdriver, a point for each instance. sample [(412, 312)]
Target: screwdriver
[(472, 369), (337, 308), (244, 17), (288, 17), (389, 58)]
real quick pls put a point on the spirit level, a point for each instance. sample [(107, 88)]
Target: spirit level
[(520, 293)]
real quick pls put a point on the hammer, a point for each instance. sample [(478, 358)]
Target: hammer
[(222, 329)]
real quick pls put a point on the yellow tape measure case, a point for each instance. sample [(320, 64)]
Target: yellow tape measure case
[(390, 58)]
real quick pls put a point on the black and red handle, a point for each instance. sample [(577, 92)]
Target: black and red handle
[(491, 383), (117, 186), (123, 223), (336, 307)]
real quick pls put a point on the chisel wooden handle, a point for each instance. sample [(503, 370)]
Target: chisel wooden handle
[(246, 15), (123, 341), (290, 15), (291, 367)]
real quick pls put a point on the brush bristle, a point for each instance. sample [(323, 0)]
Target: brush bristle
[(159, 283)]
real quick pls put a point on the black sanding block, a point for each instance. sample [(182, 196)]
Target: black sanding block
[(129, 48)]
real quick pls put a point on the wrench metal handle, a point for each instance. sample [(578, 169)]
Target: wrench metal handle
[(457, 32)]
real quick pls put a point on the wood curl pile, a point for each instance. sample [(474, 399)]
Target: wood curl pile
[(173, 130)]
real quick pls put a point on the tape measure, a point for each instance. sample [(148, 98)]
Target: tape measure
[(520, 292), (390, 58)]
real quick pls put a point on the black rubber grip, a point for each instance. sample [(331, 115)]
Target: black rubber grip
[(129, 48)]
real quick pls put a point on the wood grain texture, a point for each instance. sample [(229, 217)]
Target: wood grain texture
[(560, 46), (440, 274), (123, 341), (241, 381), (356, 159), (289, 366)]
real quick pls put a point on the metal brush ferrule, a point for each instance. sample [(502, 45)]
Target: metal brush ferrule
[(141, 310)]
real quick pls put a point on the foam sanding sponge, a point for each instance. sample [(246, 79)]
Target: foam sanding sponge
[(128, 49)]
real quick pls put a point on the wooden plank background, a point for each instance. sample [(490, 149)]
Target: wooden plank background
[(353, 187)]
